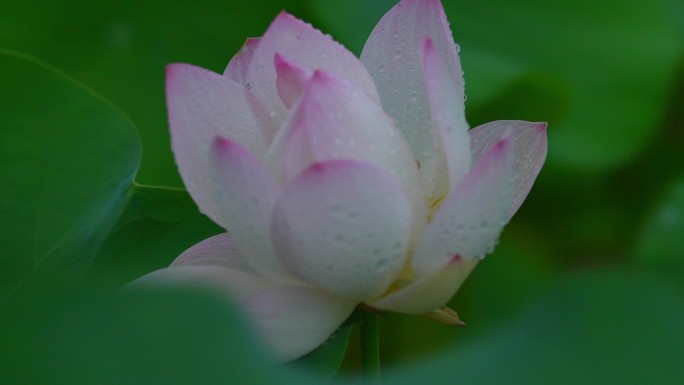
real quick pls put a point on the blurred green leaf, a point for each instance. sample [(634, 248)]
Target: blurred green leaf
[(676, 11), (600, 74), (156, 226), (603, 327), (660, 246), (67, 159), (84, 336), (327, 359)]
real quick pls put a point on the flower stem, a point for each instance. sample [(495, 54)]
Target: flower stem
[(370, 347)]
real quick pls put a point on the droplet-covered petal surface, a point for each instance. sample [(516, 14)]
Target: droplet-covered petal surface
[(342, 181), (344, 226)]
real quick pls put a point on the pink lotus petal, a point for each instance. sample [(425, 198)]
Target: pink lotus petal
[(219, 250), (445, 95), (529, 152), (311, 49), (201, 105), (239, 64), (430, 292), (292, 320), (246, 194), (344, 226), (291, 80), (471, 218), (336, 120), (392, 56)]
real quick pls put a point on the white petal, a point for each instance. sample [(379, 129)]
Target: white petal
[(219, 250), (311, 49), (239, 64), (471, 218), (291, 80), (392, 56), (291, 320), (294, 320), (230, 282), (529, 152), (447, 110), (336, 120), (430, 292), (344, 226), (201, 105), (246, 194)]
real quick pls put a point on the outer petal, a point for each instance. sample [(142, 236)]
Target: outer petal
[(246, 194), (201, 105), (344, 226), (239, 64), (232, 282), (219, 250), (430, 292), (471, 218), (312, 49), (335, 120), (448, 114), (292, 320), (529, 152), (392, 56)]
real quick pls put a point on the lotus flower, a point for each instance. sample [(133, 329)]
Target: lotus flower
[(340, 180)]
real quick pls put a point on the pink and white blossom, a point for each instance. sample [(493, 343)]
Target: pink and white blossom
[(340, 180)]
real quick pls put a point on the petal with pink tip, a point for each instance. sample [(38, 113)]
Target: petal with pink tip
[(471, 218), (430, 292), (291, 80), (336, 120), (529, 152), (344, 226), (246, 194), (201, 105), (294, 320), (312, 49), (219, 250), (239, 64), (392, 56), (291, 320), (447, 110)]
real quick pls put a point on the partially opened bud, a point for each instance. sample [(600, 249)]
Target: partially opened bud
[(343, 181)]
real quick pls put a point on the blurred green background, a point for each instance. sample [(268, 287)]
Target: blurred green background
[(594, 256)]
